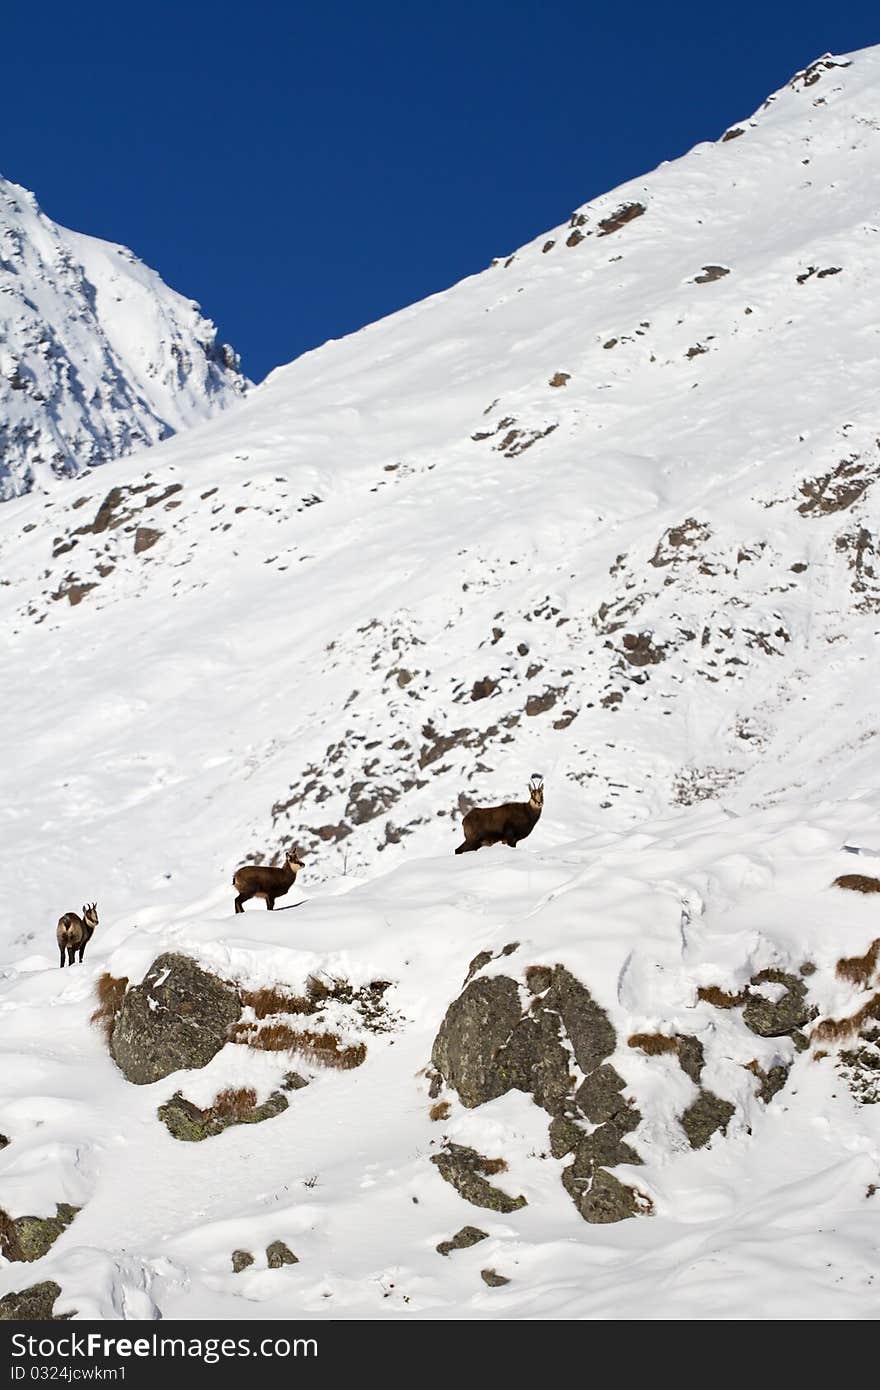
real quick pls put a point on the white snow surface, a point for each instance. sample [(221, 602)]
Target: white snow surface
[(673, 597), (98, 357)]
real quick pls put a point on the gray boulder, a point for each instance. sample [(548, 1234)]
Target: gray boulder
[(599, 1096), (602, 1198), (588, 1026), (34, 1304), (278, 1254), (29, 1238), (487, 1046), (465, 1169), (708, 1114), (175, 1020), (462, 1240), (773, 1019), (476, 1026)]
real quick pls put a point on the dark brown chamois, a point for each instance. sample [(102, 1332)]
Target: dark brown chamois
[(74, 932), (264, 881), (487, 825)]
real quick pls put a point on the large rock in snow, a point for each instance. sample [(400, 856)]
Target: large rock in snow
[(488, 1045), (33, 1304), (177, 1019)]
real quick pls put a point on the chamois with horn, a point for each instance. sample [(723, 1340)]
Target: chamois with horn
[(74, 932), (510, 823), (266, 881)]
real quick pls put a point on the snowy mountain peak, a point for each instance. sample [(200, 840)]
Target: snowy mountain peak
[(98, 356)]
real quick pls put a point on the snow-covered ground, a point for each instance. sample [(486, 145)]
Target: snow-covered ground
[(406, 572), (98, 357)]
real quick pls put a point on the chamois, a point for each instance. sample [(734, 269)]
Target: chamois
[(263, 881), (74, 932), (486, 825)]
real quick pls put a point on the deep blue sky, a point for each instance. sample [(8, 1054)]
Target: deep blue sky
[(304, 168)]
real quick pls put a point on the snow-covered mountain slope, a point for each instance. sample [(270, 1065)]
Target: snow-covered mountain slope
[(98, 357), (606, 511)]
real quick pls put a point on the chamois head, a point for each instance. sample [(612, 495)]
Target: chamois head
[(293, 860), (536, 791), (90, 914)]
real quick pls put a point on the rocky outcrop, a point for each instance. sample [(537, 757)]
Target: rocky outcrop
[(279, 1254), (476, 1027), (177, 1019), (488, 1045), (705, 1117), (188, 1122), (773, 1018), (464, 1168), (601, 1198), (29, 1238), (462, 1240), (34, 1304)]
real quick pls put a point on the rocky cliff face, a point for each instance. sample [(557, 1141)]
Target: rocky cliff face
[(97, 355)]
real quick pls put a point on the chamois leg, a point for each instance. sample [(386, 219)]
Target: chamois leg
[(61, 948), (82, 951), (270, 902), (239, 903), (71, 952)]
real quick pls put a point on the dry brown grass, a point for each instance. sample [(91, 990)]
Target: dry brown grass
[(325, 1048), (857, 883), (491, 1166), (440, 1111), (272, 999), (236, 1102), (269, 1000), (713, 994), (837, 1029), (859, 969), (110, 991), (318, 990), (653, 1043)]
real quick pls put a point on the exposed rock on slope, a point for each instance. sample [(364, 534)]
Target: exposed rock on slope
[(29, 1238), (191, 1123), (34, 1304), (178, 1018), (97, 355), (488, 1045)]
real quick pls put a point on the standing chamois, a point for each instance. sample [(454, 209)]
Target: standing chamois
[(263, 881), (486, 825), (74, 932)]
